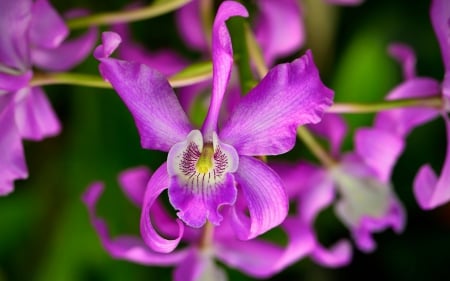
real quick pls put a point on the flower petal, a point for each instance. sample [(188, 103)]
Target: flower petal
[(265, 197), (157, 184), (66, 55), (12, 162), (222, 58), (47, 27), (15, 17), (129, 248), (35, 117), (333, 128), (379, 149), (199, 195), (405, 55), (157, 113), (429, 190), (13, 82), (279, 28), (266, 120), (199, 266), (440, 16), (133, 182), (188, 20), (339, 254), (402, 121)]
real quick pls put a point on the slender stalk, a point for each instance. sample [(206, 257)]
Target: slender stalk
[(434, 102), (255, 52), (108, 18), (206, 14), (314, 146), (207, 236), (42, 79)]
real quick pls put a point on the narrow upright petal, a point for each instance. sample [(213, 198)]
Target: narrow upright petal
[(130, 248), (133, 183), (222, 58), (405, 55), (264, 194), (157, 113), (201, 179), (35, 117), (429, 190), (15, 18), (66, 55), (47, 28), (157, 184), (266, 120), (440, 18), (279, 28), (12, 160)]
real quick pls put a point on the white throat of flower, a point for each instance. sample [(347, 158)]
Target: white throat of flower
[(360, 196)]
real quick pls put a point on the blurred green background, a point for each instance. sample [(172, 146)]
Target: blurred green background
[(45, 233)]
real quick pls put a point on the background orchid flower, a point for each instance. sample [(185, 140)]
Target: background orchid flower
[(366, 202), (33, 34), (430, 190), (206, 169), (195, 261)]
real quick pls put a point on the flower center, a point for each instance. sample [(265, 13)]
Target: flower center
[(205, 161)]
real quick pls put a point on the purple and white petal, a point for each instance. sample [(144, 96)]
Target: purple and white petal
[(201, 179), (199, 266), (188, 20), (279, 28), (264, 195), (126, 247), (222, 59), (157, 113), (265, 121), (429, 190), (66, 55), (405, 55), (133, 182), (47, 27), (379, 149), (35, 117), (157, 184), (12, 162), (15, 18), (402, 121)]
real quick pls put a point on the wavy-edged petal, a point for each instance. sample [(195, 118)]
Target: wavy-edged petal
[(279, 28), (15, 18), (402, 121), (429, 190), (157, 184), (66, 55), (333, 128), (158, 115), (188, 20), (35, 117), (125, 247), (266, 119), (47, 27), (133, 182), (405, 55), (222, 59), (12, 160), (379, 149), (440, 15), (264, 194)]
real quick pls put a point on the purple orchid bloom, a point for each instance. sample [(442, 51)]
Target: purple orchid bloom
[(430, 190), (195, 261), (32, 35), (207, 168), (366, 201)]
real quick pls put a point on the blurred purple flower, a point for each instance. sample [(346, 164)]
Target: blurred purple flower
[(366, 201), (430, 191), (32, 35), (205, 168), (195, 261)]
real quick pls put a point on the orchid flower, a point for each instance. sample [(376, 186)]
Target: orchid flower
[(32, 35), (430, 190), (366, 202), (195, 261), (207, 168)]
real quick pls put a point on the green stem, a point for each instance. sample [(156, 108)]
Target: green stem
[(434, 102), (42, 79), (314, 146), (150, 11), (255, 52)]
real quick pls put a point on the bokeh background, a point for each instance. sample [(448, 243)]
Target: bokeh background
[(45, 233)]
